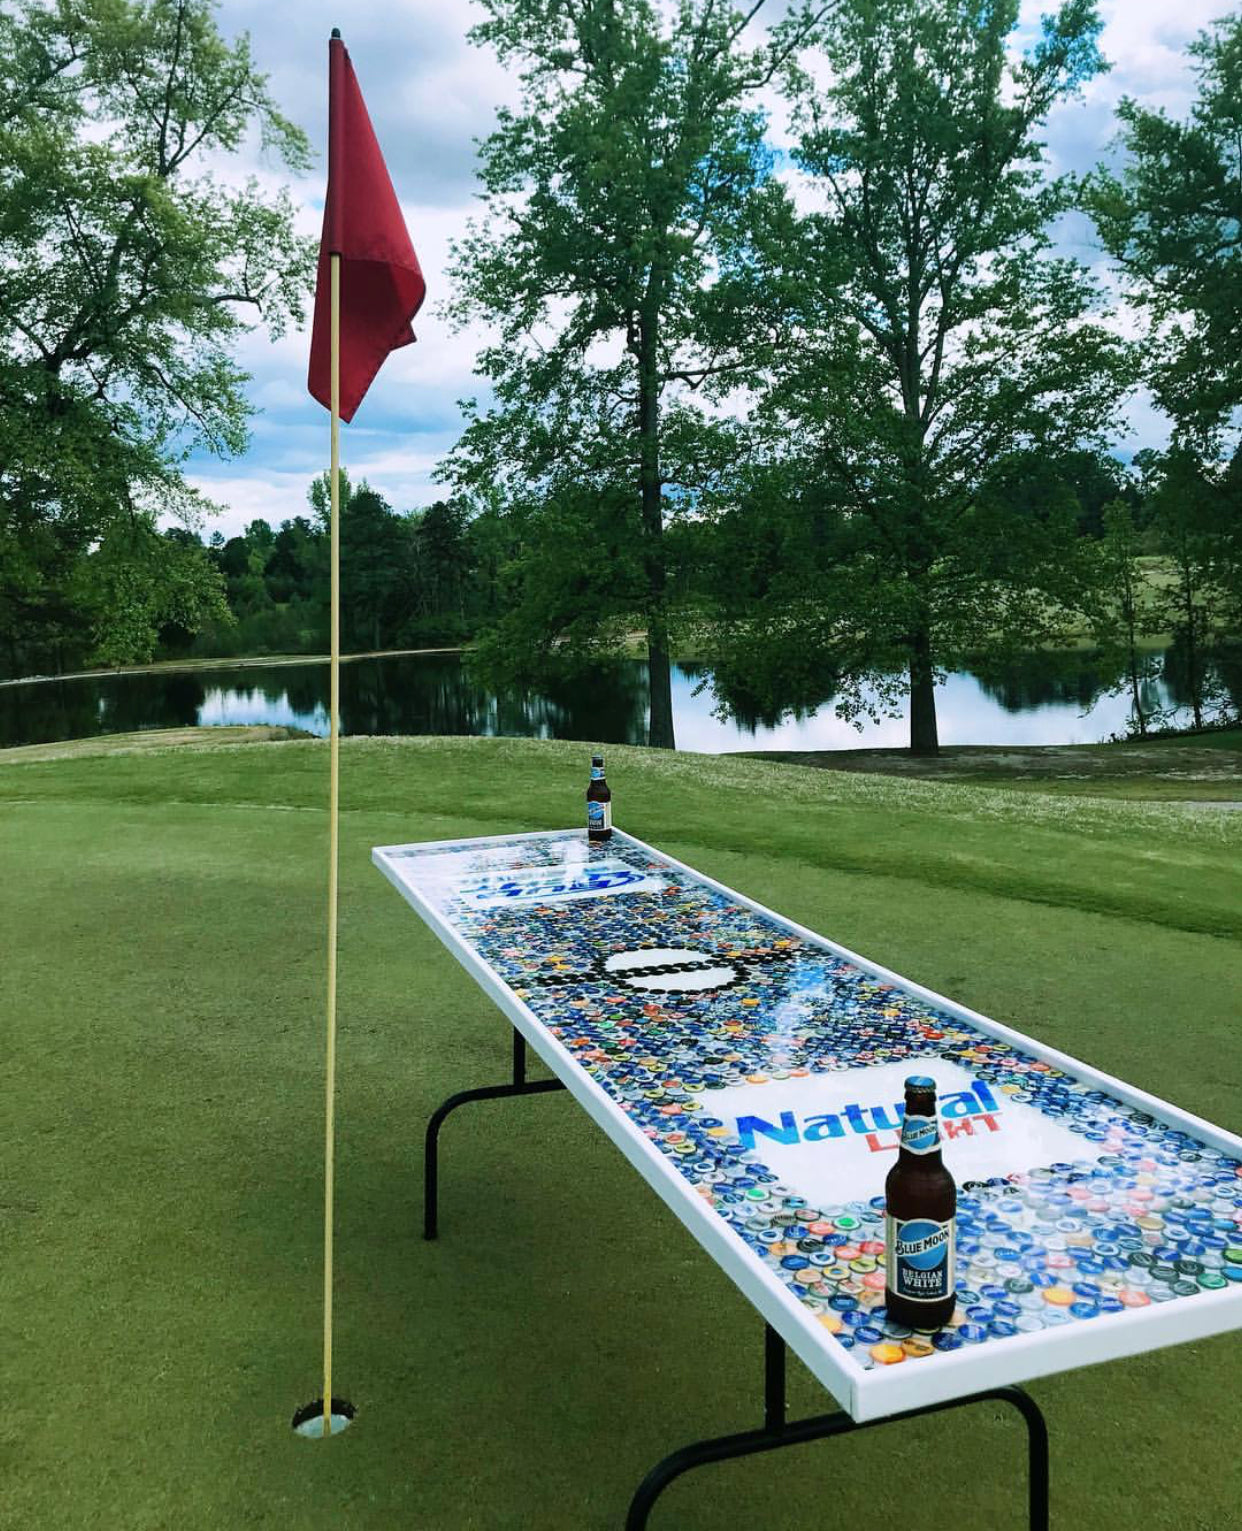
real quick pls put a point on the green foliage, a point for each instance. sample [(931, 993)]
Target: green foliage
[(444, 557), (127, 272), (138, 582), (428, 576), (1194, 512), (1123, 611), (624, 201), (374, 569), (935, 351), (1172, 220)]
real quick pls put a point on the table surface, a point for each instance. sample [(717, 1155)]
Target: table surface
[(752, 1071)]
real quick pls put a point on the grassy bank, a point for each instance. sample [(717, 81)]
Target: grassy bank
[(248, 662), (160, 1288)]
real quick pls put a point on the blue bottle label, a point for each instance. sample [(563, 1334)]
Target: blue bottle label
[(599, 815), (920, 1134), (920, 1258)]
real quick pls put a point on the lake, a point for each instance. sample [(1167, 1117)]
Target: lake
[(1043, 698)]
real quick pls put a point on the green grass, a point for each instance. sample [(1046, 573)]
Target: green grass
[(160, 1206), (1208, 739)]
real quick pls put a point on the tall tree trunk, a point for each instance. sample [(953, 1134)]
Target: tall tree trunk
[(1192, 647), (924, 739), (1136, 701), (660, 728), (1136, 705), (920, 544), (1129, 608)]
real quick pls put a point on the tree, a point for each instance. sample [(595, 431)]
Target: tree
[(236, 559), (260, 536), (444, 557), (1097, 480), (127, 272), (376, 555), (934, 345), (297, 562), (1124, 611), (621, 199), (137, 583), (319, 498), (1190, 513), (1172, 220)]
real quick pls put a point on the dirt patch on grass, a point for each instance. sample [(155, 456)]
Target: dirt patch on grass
[(964, 762), (151, 739), (1158, 770)]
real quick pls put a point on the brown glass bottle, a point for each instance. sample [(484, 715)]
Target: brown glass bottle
[(599, 803), (920, 1219)]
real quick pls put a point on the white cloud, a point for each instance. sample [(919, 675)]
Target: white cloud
[(258, 494)]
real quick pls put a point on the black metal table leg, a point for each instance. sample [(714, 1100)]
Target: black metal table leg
[(777, 1433), (773, 1379), (431, 1156)]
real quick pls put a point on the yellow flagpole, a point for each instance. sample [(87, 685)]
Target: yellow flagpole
[(334, 757)]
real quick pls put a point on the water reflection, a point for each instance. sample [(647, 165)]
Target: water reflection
[(1038, 698), (750, 708), (1024, 682)]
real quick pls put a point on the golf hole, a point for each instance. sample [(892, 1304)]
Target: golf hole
[(308, 1421)]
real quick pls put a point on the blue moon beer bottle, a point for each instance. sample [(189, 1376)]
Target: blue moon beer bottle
[(920, 1219), (599, 803)]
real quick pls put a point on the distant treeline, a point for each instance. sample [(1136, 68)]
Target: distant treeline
[(1148, 543), (436, 576), (407, 579)]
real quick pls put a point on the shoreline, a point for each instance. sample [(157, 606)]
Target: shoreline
[(172, 666)]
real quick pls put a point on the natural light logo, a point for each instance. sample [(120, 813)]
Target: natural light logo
[(834, 1136), (963, 1113)]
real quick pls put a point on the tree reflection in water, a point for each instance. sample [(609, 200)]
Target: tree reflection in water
[(436, 694), (752, 707)]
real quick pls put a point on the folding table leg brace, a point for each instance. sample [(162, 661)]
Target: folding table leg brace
[(520, 1086), (777, 1432)]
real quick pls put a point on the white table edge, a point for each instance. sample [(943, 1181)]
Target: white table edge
[(875, 1394)]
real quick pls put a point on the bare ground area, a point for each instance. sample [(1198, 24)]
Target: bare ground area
[(1203, 768), (150, 739)]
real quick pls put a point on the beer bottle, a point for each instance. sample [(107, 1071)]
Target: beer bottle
[(920, 1219), (599, 803)]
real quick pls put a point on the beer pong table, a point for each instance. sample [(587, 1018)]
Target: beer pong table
[(751, 1071)]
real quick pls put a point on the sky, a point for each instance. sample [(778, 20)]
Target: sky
[(431, 94)]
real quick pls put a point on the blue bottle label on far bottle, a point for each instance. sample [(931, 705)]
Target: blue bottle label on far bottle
[(920, 1134)]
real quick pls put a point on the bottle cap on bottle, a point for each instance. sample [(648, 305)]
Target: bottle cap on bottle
[(597, 760), (920, 1082)]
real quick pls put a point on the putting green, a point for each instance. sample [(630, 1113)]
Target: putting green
[(160, 1203)]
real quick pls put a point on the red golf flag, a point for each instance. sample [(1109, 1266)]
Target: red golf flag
[(382, 286)]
